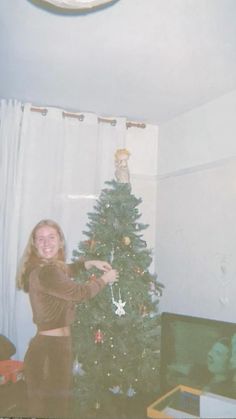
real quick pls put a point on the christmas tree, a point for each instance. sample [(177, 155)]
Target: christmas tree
[(116, 335)]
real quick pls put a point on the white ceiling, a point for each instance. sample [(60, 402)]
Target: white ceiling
[(148, 60)]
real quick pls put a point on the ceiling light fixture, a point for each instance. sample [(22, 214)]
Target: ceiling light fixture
[(78, 4)]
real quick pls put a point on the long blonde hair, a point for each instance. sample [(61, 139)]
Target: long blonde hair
[(30, 257)]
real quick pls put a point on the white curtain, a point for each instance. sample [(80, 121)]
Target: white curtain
[(10, 128), (51, 167)]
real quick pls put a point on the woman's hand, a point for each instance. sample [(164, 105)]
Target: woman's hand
[(110, 276), (99, 264)]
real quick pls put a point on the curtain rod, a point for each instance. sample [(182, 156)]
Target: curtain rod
[(80, 117)]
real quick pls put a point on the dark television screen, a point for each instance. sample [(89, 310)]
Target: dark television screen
[(199, 353)]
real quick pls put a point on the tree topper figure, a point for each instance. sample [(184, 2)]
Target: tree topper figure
[(121, 163)]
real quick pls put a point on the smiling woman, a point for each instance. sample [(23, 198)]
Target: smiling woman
[(47, 242), (78, 4), (53, 293)]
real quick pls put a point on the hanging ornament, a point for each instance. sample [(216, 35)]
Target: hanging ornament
[(99, 337), (126, 240), (120, 307), (119, 304), (131, 392), (112, 255), (92, 277), (97, 405), (77, 368), (116, 390)]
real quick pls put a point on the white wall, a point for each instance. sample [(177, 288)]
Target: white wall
[(196, 211), (143, 146)]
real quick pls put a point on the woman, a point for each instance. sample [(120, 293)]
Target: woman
[(44, 274)]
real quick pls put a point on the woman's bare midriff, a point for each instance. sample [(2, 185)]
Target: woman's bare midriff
[(61, 331)]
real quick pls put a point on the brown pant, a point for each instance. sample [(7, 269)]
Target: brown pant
[(48, 373)]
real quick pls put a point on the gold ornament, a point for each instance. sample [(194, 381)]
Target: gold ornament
[(126, 240)]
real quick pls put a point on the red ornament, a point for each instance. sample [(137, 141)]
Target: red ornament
[(99, 336)]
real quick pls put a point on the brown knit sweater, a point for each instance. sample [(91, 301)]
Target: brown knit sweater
[(53, 295)]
